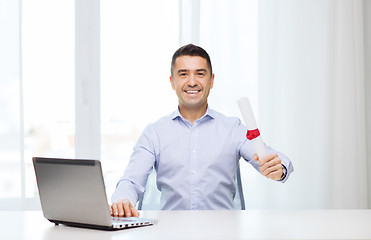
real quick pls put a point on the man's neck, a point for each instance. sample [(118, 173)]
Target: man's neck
[(192, 114)]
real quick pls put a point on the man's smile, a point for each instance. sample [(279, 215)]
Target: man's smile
[(192, 92)]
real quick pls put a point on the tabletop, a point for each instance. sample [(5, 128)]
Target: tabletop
[(233, 224)]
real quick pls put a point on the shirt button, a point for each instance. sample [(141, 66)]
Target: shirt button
[(194, 171), (194, 151)]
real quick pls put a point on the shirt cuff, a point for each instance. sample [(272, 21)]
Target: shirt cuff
[(123, 190)]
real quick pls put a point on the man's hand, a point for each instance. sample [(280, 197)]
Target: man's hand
[(123, 208), (270, 166)]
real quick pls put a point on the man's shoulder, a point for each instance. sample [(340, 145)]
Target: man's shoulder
[(220, 117), (162, 122), (166, 119)]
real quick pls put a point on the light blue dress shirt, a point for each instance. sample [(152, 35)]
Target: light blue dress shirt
[(196, 164)]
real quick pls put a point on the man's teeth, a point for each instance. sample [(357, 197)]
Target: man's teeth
[(192, 91)]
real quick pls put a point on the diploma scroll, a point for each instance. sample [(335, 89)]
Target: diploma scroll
[(253, 133)]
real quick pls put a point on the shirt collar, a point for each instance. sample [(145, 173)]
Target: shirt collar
[(209, 113)]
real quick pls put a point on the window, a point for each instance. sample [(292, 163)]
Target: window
[(48, 82), (10, 164), (138, 39), (37, 90), (38, 85)]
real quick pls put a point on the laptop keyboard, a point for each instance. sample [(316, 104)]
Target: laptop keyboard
[(121, 220)]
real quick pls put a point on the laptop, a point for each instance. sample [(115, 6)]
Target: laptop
[(72, 192)]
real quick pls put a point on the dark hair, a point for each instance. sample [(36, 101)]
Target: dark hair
[(191, 50)]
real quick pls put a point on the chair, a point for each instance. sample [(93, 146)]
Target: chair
[(150, 199)]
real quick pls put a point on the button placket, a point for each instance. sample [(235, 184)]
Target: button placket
[(194, 180)]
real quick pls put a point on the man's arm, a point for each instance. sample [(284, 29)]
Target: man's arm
[(132, 184)]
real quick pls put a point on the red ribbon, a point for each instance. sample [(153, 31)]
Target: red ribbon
[(251, 134)]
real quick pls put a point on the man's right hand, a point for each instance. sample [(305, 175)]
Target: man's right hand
[(123, 208)]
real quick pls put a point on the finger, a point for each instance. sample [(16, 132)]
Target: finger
[(110, 210), (270, 163), (271, 170), (135, 212), (127, 209), (255, 157), (276, 175), (120, 209), (114, 209), (274, 164), (267, 158)]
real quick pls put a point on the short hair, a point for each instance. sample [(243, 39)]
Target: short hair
[(191, 50)]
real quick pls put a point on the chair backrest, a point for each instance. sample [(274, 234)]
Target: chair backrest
[(151, 197)]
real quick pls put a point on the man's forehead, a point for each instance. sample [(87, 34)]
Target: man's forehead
[(191, 63)]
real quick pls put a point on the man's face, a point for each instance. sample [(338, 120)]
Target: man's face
[(191, 79)]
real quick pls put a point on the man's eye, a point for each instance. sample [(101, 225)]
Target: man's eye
[(183, 74), (201, 74)]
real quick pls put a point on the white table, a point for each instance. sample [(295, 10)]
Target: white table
[(249, 224)]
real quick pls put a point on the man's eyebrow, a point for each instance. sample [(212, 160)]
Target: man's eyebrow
[(187, 70)]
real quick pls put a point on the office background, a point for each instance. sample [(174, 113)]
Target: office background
[(83, 78)]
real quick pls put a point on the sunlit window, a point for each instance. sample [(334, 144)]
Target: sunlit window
[(48, 82), (138, 39), (10, 164)]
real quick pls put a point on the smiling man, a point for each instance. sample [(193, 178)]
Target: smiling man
[(195, 150)]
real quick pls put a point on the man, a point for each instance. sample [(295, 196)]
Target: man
[(195, 150)]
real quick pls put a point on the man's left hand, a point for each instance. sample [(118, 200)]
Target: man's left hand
[(270, 166)]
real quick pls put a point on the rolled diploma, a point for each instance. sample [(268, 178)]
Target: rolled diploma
[(247, 114)]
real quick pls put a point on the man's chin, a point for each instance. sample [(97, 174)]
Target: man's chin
[(193, 105)]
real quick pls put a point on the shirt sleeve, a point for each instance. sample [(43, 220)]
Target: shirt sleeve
[(132, 184)]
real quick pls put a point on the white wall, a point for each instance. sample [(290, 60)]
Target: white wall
[(312, 101)]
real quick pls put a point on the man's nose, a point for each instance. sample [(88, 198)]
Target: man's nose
[(192, 80)]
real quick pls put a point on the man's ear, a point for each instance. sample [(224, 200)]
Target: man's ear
[(172, 83), (212, 81)]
